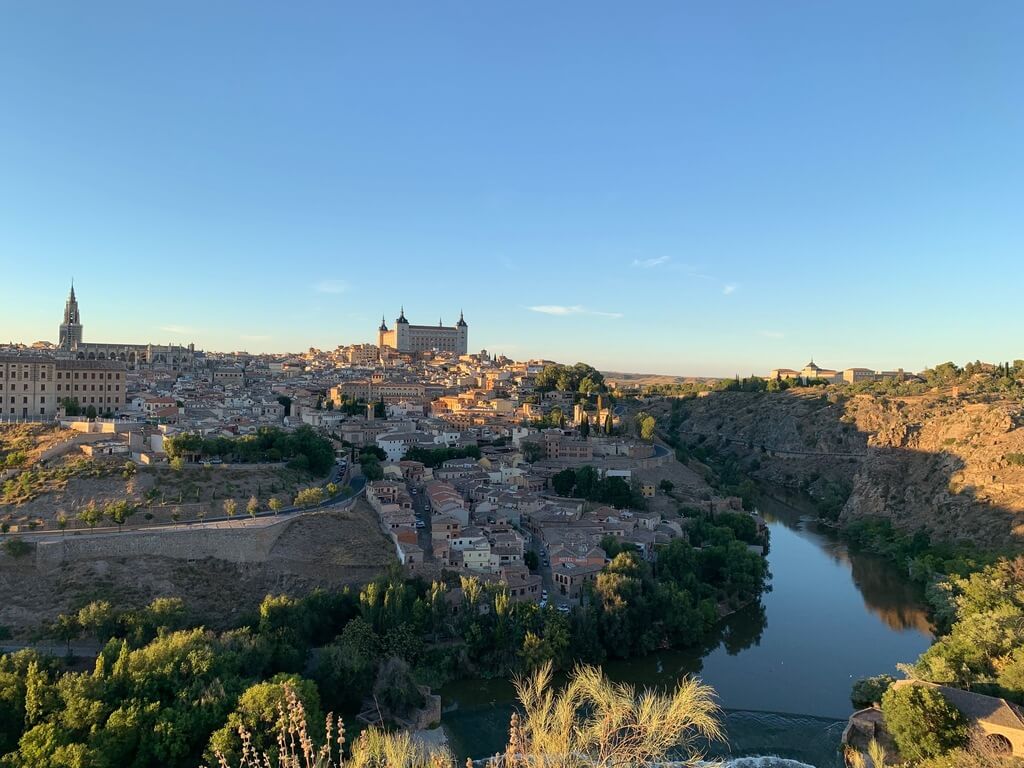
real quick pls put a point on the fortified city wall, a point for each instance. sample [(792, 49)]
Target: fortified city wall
[(235, 544)]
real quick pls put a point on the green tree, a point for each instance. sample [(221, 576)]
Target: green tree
[(868, 691), (71, 407), (66, 628), (99, 619), (119, 511), (91, 514), (563, 482), (372, 470), (532, 451), (258, 711), (922, 722), (395, 690), (345, 669), (310, 497)]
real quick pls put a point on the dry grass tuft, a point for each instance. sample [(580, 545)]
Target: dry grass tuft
[(590, 723)]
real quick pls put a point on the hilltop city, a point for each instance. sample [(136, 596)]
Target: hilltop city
[(388, 517)]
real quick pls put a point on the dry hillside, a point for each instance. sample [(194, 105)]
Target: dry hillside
[(328, 550), (953, 466)]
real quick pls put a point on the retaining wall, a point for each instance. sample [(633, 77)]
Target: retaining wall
[(236, 544)]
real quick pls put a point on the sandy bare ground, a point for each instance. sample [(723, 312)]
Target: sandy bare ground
[(328, 550)]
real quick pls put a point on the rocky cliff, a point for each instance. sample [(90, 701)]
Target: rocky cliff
[(949, 464)]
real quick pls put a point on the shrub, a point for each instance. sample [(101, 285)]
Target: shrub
[(869, 690), (922, 722), (17, 547)]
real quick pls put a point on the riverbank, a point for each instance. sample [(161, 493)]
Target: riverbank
[(782, 669)]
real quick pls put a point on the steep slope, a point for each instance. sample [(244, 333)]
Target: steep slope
[(951, 465)]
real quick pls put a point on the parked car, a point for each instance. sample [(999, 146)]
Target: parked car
[(563, 608), (420, 524)]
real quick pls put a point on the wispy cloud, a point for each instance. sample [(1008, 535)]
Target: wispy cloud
[(562, 310), (178, 329), (771, 334), (665, 263), (330, 286), (651, 263)]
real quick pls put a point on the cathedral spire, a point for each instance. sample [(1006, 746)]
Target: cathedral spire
[(70, 334)]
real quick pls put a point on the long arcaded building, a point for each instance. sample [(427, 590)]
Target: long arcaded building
[(71, 344)]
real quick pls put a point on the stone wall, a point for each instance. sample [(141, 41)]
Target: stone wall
[(234, 543)]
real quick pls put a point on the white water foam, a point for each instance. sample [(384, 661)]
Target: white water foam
[(765, 762)]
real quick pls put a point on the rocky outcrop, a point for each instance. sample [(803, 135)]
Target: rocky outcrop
[(947, 465)]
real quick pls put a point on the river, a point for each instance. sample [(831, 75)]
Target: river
[(783, 669)]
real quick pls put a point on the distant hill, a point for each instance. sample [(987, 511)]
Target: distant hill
[(650, 379)]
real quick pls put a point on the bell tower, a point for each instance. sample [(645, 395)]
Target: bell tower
[(71, 328)]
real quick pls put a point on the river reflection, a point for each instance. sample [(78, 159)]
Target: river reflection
[(830, 617), (886, 591)]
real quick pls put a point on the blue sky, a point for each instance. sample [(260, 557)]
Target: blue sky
[(676, 187)]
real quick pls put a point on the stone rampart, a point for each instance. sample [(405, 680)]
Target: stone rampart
[(234, 543)]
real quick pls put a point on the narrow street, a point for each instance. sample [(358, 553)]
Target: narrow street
[(419, 505)]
